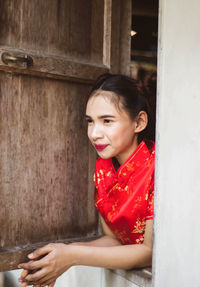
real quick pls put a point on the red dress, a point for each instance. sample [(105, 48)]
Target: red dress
[(125, 197)]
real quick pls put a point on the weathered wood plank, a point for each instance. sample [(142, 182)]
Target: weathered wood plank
[(44, 153), (69, 28), (11, 257), (107, 32), (120, 36), (52, 66), (46, 162)]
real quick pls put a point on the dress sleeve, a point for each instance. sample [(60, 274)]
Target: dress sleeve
[(150, 204)]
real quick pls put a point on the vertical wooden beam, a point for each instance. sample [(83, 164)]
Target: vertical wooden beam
[(107, 32), (1, 279), (125, 42), (120, 36)]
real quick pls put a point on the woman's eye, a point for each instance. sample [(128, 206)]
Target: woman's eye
[(89, 121), (107, 121)]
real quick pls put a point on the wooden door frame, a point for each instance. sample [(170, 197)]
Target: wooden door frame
[(116, 59)]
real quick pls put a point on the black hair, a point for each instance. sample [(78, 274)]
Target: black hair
[(134, 95)]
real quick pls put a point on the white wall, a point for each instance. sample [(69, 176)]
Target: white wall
[(79, 276), (177, 226), (82, 276)]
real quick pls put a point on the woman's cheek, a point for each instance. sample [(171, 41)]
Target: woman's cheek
[(89, 133)]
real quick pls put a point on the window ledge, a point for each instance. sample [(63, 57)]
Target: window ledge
[(139, 277)]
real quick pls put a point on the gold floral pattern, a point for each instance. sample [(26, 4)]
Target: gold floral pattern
[(125, 197), (140, 239), (139, 227)]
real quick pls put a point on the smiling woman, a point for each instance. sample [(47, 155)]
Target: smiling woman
[(121, 129), (111, 130)]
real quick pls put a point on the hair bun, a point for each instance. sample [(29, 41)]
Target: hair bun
[(147, 82), (147, 88)]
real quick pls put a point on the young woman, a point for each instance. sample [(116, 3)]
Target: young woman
[(121, 129)]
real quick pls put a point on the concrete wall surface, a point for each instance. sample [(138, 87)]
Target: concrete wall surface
[(177, 231), (81, 276)]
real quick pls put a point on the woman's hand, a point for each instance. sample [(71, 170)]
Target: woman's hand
[(56, 259), (24, 284)]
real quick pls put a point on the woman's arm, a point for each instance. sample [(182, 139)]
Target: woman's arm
[(118, 256), (109, 238), (60, 257)]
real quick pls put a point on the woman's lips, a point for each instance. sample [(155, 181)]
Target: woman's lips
[(100, 147)]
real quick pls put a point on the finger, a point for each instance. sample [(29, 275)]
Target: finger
[(24, 284), (21, 279), (41, 251), (44, 281), (37, 277), (23, 275), (32, 265), (24, 265), (52, 284), (47, 280)]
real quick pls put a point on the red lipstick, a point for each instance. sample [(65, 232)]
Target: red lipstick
[(100, 147)]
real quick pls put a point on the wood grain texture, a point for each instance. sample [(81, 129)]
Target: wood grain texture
[(107, 32), (46, 161), (11, 257), (70, 28), (120, 37), (54, 67), (44, 154)]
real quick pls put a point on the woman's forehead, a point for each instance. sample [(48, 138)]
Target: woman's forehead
[(102, 93), (102, 100), (103, 103), (108, 97)]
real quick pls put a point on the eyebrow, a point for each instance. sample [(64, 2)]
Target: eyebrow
[(101, 117)]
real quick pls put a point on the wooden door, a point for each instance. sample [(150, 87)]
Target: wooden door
[(51, 52)]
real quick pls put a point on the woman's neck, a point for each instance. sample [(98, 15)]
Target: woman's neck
[(122, 157), (115, 163)]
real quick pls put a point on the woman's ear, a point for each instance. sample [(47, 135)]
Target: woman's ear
[(141, 121)]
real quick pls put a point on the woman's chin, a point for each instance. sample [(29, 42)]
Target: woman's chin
[(104, 156)]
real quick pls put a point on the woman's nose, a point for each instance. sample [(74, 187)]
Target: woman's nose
[(96, 132)]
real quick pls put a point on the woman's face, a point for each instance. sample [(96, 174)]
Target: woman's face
[(110, 129)]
